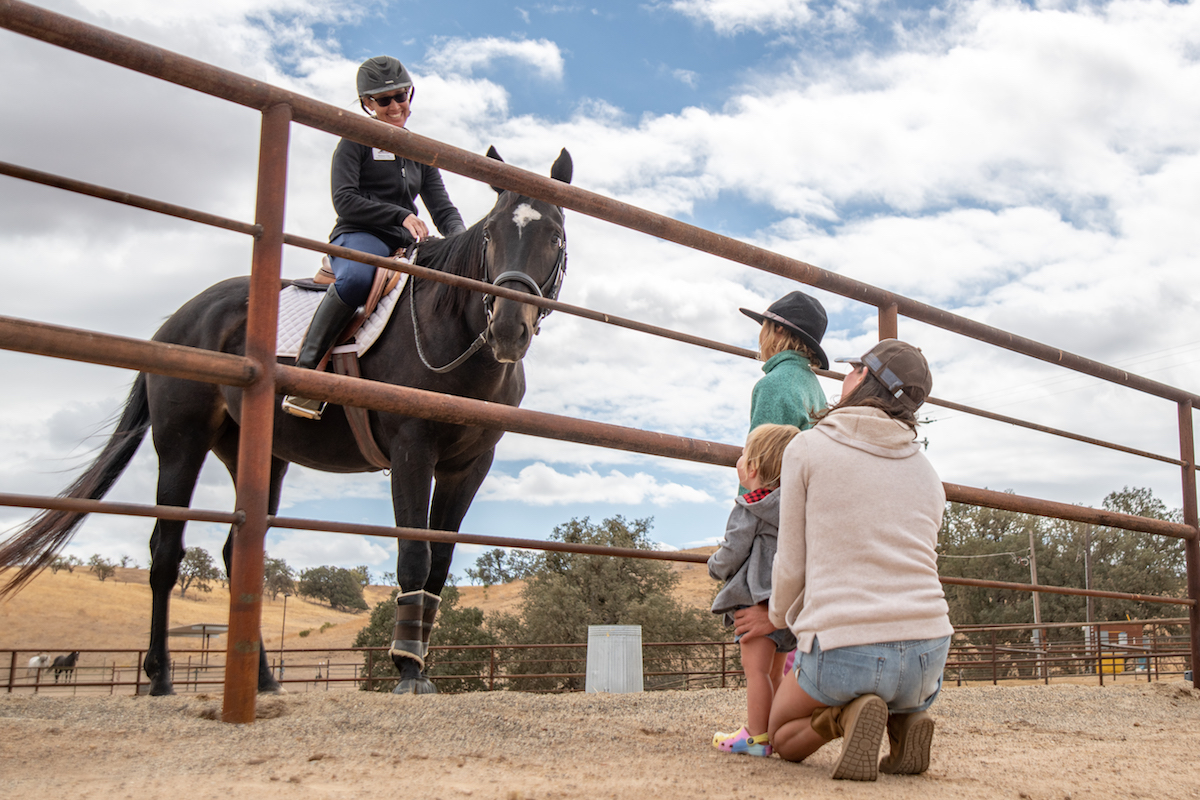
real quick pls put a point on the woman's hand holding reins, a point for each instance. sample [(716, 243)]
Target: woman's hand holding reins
[(413, 224)]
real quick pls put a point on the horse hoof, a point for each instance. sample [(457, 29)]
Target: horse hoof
[(420, 685), (276, 689), (161, 690)]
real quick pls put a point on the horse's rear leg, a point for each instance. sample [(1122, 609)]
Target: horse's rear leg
[(184, 424), (166, 553), (267, 684)]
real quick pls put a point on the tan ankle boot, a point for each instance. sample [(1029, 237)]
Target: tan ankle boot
[(909, 738), (862, 723), (824, 722)]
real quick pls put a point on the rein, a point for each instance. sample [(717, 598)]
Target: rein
[(479, 342), (411, 256), (549, 289)]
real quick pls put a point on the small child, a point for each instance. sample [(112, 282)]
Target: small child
[(744, 561)]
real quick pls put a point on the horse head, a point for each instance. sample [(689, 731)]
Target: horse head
[(525, 248)]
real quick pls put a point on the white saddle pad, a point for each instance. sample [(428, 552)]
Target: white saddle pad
[(296, 309)]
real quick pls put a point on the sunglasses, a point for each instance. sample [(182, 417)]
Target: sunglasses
[(399, 97)]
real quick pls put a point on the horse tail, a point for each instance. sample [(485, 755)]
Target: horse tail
[(37, 542)]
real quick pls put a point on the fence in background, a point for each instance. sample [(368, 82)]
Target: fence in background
[(986, 655), (261, 379)]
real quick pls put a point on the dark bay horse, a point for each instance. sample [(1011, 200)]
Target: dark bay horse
[(521, 243), (65, 664)]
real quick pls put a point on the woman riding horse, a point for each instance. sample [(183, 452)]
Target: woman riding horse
[(374, 194)]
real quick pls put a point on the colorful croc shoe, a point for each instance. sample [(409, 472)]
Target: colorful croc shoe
[(742, 742)]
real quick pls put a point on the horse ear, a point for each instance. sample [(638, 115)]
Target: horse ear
[(491, 153), (563, 168)]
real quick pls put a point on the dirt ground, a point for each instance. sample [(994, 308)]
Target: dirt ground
[(1037, 742)]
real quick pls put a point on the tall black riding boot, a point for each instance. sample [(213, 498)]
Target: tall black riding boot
[(331, 317)]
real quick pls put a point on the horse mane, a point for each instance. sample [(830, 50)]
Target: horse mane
[(460, 254)]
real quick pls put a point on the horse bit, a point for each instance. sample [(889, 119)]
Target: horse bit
[(549, 289)]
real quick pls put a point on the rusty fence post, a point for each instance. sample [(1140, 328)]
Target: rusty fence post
[(1191, 547), (258, 414), (889, 322)]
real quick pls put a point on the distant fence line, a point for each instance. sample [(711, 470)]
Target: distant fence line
[(980, 654)]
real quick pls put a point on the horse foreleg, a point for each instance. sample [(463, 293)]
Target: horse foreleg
[(452, 497), (430, 563), (410, 499)]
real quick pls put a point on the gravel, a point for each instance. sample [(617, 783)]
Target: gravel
[(1061, 741)]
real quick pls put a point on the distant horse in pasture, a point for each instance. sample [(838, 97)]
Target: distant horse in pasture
[(36, 663), (436, 467), (65, 665)]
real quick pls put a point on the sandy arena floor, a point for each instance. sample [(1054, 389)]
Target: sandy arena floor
[(1037, 742)]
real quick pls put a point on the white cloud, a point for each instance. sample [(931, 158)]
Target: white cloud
[(466, 56), (730, 17), (540, 485), (686, 76)]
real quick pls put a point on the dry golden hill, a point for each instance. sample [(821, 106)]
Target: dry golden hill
[(57, 613)]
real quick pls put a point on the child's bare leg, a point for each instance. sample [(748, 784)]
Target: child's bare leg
[(777, 669), (758, 655)]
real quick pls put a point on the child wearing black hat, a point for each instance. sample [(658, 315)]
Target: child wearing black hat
[(790, 345)]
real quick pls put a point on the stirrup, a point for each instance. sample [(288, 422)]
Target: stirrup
[(303, 407)]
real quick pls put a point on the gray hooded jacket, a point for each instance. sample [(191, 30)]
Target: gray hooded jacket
[(746, 555)]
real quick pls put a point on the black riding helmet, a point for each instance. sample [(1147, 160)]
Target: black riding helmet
[(382, 74)]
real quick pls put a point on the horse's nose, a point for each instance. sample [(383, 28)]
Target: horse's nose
[(510, 332)]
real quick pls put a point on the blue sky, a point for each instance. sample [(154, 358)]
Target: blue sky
[(1029, 165)]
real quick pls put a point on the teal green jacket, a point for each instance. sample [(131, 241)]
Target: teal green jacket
[(788, 394)]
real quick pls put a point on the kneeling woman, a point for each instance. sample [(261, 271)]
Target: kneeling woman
[(855, 575)]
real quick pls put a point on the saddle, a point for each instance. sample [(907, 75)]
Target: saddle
[(344, 355)]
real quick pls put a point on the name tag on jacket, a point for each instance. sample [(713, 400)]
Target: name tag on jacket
[(382, 155)]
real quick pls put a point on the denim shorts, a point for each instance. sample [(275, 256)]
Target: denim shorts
[(907, 675)]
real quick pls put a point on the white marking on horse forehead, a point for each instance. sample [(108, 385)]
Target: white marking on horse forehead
[(524, 215)]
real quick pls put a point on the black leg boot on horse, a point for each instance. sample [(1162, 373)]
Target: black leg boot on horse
[(415, 612), (327, 324)]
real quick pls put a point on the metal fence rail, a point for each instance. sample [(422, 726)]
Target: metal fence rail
[(260, 378), (560, 667)]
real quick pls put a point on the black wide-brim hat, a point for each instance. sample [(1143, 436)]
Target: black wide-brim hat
[(801, 314)]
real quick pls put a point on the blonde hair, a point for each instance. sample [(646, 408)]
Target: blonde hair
[(764, 451), (773, 339)]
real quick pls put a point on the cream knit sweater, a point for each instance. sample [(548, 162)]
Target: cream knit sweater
[(861, 509)]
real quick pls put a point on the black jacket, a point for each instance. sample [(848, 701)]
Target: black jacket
[(374, 191)]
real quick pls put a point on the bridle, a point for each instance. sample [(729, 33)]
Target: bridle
[(549, 289)]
